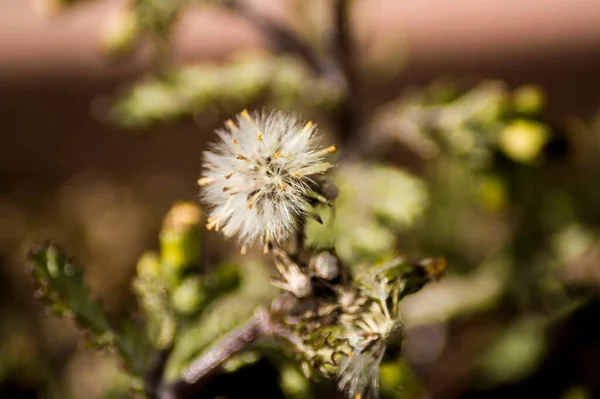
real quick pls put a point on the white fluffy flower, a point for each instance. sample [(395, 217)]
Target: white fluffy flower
[(256, 179)]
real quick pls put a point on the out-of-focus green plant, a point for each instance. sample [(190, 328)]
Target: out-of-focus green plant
[(221, 316), (171, 287), (468, 123), (191, 90), (61, 287), (398, 380), (515, 354), (376, 203)]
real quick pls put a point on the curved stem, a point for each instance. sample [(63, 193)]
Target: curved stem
[(210, 362), (284, 40)]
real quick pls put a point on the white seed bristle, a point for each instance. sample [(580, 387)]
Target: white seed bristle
[(367, 334), (255, 180)]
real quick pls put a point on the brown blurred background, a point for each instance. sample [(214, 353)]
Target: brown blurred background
[(51, 71)]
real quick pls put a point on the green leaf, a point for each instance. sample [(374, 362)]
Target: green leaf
[(61, 286)]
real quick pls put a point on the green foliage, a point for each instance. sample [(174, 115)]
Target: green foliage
[(191, 90), (515, 354), (158, 16), (62, 288), (293, 383), (528, 100), (169, 287), (122, 32), (576, 392), (221, 315), (397, 380), (151, 291), (523, 140), (143, 19), (470, 123), (376, 202)]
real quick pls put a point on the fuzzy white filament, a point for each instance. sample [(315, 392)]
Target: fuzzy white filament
[(367, 335), (256, 178)]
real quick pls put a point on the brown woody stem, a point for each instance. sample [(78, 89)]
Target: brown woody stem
[(210, 362)]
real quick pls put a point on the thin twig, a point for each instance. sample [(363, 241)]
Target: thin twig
[(199, 373), (154, 377), (341, 42), (209, 363), (300, 236), (284, 40), (348, 116)]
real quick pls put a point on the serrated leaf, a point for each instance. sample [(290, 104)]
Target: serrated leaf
[(62, 287)]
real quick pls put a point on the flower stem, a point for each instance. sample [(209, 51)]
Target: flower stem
[(210, 362)]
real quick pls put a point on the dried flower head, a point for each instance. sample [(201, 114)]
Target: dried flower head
[(370, 328), (344, 326), (257, 178), (367, 334), (292, 277)]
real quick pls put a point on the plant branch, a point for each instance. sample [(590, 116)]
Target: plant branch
[(209, 363), (342, 44), (155, 374), (284, 40), (347, 117)]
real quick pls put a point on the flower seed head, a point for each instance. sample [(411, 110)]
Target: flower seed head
[(368, 335), (257, 178)]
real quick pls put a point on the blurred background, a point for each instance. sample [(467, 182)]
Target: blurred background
[(519, 227)]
